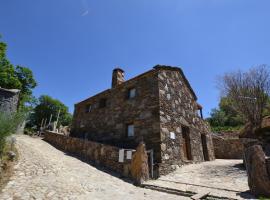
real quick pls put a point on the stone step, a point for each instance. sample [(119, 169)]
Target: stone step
[(200, 195), (168, 190)]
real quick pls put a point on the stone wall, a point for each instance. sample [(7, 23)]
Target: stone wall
[(228, 148), (100, 154), (8, 100), (109, 123), (179, 109)]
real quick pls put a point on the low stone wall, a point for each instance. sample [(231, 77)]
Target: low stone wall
[(100, 154), (228, 148)]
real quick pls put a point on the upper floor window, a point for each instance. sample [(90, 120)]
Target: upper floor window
[(132, 93), (130, 130), (88, 108), (103, 103)]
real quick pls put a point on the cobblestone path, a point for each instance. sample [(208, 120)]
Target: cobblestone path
[(220, 178), (43, 172)]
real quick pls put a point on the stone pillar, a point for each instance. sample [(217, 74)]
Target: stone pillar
[(117, 77), (139, 165), (258, 171)]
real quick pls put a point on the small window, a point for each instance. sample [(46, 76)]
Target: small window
[(130, 130), (103, 103), (88, 108), (131, 93)]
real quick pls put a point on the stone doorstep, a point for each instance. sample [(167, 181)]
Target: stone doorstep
[(168, 190), (190, 192), (199, 186), (191, 195), (200, 195)]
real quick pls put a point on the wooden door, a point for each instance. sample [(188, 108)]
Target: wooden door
[(186, 143)]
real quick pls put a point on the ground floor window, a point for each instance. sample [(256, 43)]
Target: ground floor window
[(130, 130)]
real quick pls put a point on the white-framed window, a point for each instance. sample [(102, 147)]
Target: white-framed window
[(102, 103), (132, 93), (88, 108), (130, 130)]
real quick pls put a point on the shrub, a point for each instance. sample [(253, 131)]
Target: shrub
[(8, 125), (225, 128)]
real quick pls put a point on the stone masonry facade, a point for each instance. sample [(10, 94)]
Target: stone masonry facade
[(9, 100), (99, 154), (158, 107), (178, 116)]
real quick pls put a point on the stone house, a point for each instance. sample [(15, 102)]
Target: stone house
[(9, 99), (158, 107)]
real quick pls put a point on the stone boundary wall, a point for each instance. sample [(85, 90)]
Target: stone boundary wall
[(100, 154), (228, 148)]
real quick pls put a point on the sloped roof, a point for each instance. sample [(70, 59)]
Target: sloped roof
[(155, 68)]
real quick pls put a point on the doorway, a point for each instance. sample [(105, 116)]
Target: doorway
[(150, 155), (204, 147), (186, 147)]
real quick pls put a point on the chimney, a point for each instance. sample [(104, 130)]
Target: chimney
[(118, 77)]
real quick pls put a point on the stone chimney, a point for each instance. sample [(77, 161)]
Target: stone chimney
[(118, 77)]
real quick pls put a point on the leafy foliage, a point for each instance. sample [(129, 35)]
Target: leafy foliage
[(246, 99), (249, 92), (225, 116), (48, 106), (8, 125), (16, 78)]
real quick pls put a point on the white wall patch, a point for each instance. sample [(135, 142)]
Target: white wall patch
[(121, 155), (129, 155), (172, 135)]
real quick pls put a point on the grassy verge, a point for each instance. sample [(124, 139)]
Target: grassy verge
[(7, 164), (9, 123)]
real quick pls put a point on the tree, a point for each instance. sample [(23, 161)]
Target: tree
[(248, 92), (47, 107), (16, 78), (225, 117)]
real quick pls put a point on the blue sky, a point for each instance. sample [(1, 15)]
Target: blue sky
[(73, 45)]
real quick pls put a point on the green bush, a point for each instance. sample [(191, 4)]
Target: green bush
[(29, 131), (225, 128), (8, 125)]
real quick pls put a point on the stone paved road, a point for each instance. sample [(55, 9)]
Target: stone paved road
[(44, 172), (221, 178)]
